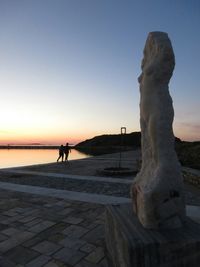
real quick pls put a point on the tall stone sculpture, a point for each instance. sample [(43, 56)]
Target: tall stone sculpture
[(157, 191)]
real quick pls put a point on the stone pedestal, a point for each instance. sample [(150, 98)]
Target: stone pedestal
[(129, 244)]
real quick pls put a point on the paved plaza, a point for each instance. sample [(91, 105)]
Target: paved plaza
[(53, 214), (46, 231)]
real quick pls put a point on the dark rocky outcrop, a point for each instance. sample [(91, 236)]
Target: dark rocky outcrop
[(110, 143), (188, 152), (131, 139)]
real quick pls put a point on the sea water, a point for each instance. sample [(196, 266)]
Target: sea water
[(23, 157)]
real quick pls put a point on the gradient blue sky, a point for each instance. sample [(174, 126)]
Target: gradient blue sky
[(69, 68)]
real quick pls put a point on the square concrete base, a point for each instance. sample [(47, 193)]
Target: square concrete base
[(129, 244)]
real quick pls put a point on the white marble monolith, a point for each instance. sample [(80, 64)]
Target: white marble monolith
[(157, 191)]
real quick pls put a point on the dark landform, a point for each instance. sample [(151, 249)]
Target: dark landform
[(188, 152), (110, 143)]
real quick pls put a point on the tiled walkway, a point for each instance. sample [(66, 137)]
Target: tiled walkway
[(50, 227), (38, 230), (53, 215), (46, 231)]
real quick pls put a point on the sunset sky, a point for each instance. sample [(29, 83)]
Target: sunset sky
[(69, 68)]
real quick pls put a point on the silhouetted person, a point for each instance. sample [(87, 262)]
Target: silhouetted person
[(66, 151), (61, 153)]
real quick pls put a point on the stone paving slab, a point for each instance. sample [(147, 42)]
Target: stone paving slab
[(46, 247), (15, 240), (69, 256), (21, 255), (59, 242), (39, 261), (73, 243)]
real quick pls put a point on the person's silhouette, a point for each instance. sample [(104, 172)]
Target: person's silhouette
[(61, 153), (66, 151)]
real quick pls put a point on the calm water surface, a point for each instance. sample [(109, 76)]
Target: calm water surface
[(23, 157)]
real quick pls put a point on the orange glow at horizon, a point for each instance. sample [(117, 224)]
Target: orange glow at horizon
[(44, 137), (52, 138), (186, 134), (46, 140)]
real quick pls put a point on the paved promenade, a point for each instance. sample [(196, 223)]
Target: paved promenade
[(53, 214), (46, 231)]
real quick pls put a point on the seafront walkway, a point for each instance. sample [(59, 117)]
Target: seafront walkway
[(53, 214)]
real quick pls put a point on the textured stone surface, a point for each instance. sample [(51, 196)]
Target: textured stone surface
[(47, 245), (41, 226), (72, 243), (96, 255), (54, 209), (130, 244), (87, 248), (75, 231), (73, 220), (157, 190), (69, 256), (15, 241), (21, 255), (39, 261)]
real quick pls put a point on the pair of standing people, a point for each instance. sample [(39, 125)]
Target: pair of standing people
[(64, 150)]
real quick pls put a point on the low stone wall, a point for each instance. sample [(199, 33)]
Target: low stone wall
[(191, 176), (129, 244)]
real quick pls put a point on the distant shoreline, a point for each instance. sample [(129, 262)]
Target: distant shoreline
[(28, 147)]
